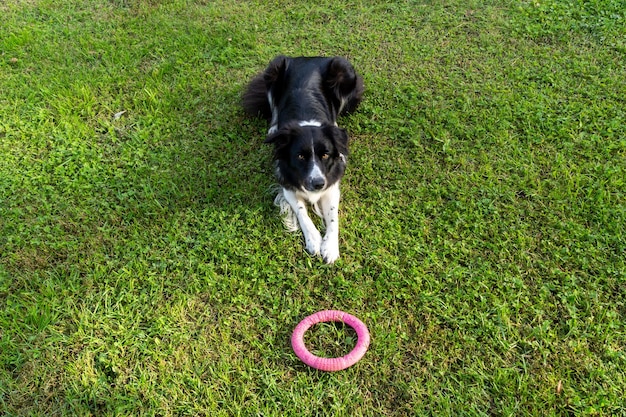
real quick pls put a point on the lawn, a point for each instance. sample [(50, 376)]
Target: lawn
[(145, 271)]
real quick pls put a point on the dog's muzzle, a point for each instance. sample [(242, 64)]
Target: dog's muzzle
[(315, 183)]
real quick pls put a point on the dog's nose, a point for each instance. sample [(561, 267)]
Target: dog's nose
[(316, 184)]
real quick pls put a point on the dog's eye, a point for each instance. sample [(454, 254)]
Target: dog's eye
[(325, 156), (301, 157)]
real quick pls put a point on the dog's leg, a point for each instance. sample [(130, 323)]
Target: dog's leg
[(312, 236), (329, 205), (289, 216)]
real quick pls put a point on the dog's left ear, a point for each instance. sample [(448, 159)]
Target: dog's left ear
[(339, 137)]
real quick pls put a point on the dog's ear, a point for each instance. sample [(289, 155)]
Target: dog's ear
[(280, 138), (275, 70), (339, 137)]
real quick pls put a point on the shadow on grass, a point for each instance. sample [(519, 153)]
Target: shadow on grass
[(194, 160)]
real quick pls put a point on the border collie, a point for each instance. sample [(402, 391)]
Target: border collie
[(302, 98)]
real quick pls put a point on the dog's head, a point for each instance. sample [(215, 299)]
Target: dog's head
[(309, 158)]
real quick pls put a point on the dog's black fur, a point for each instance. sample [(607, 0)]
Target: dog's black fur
[(302, 98), (305, 88)]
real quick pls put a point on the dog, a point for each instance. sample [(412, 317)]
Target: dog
[(301, 98)]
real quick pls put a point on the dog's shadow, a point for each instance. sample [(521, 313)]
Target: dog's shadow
[(222, 164), (211, 166)]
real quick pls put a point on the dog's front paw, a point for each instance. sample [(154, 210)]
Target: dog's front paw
[(313, 242), (330, 249)]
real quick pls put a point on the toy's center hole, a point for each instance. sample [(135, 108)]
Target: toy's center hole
[(330, 339)]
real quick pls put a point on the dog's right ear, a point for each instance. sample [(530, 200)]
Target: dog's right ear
[(275, 70), (280, 139)]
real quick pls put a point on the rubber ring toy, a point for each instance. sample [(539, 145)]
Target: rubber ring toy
[(330, 364)]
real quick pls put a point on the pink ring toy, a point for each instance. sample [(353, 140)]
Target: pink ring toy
[(330, 364)]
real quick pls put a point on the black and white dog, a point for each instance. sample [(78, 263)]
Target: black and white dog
[(301, 98)]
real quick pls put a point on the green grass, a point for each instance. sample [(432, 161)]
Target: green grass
[(145, 271)]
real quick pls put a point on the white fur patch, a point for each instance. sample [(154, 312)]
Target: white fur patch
[(313, 123), (289, 217), (293, 208), (342, 104), (274, 123), (316, 172)]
